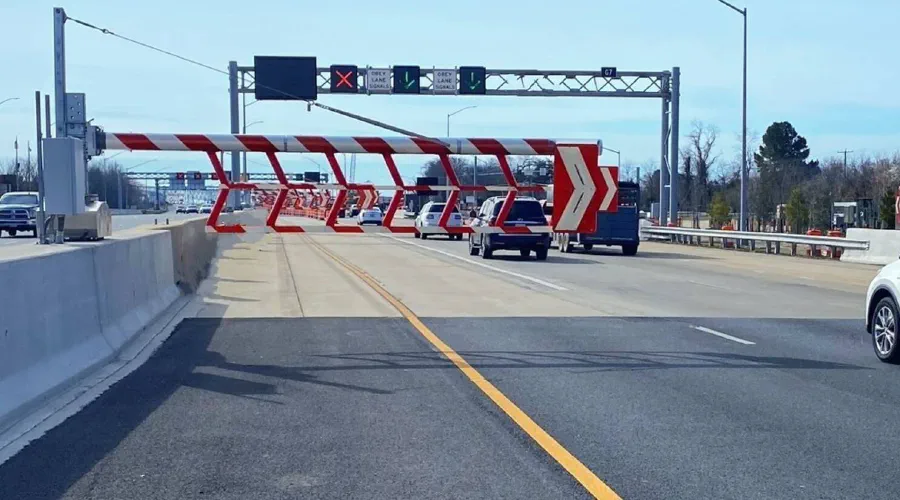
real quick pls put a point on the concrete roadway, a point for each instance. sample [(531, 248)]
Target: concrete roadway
[(679, 373), (119, 223)]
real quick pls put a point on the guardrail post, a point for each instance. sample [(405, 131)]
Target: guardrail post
[(793, 249), (752, 245)]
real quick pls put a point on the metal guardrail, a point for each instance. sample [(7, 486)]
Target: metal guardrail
[(687, 234)]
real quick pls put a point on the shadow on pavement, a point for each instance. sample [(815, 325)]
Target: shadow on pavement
[(552, 259), (594, 360), (614, 252), (79, 443)]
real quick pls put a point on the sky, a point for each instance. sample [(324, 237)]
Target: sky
[(829, 67)]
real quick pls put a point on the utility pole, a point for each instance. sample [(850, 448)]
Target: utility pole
[(845, 157)]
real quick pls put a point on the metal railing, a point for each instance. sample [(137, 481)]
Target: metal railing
[(686, 235)]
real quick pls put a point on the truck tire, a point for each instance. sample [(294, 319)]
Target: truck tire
[(588, 247), (12, 233), (541, 253), (629, 250), (565, 245), (525, 252)]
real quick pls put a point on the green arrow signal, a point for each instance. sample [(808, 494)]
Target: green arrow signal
[(409, 83), (473, 84)]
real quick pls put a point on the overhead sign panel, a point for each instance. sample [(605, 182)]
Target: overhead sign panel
[(378, 80), (285, 78), (472, 80), (427, 181), (608, 72), (344, 79), (444, 81), (406, 79)]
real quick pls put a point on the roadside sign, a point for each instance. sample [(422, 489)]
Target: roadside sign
[(444, 81), (378, 80), (581, 188)]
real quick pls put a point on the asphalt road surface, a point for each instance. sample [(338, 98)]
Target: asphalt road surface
[(119, 223), (681, 373)]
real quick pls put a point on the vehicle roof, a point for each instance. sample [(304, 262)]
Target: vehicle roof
[(35, 193), (525, 198)]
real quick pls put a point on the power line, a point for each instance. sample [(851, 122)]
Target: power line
[(348, 114)]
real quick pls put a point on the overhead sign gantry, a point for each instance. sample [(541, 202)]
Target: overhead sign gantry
[(301, 78)]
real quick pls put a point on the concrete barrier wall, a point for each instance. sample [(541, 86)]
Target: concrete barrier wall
[(884, 246), (192, 251), (67, 312)]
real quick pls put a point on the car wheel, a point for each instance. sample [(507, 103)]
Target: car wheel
[(424, 236), (629, 249), (12, 232), (588, 247), (473, 250), (541, 253), (486, 251), (884, 331), (524, 252), (417, 235), (34, 232)]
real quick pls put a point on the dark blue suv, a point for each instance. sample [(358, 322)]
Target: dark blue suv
[(524, 212)]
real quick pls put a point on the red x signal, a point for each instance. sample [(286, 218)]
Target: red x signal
[(344, 79)]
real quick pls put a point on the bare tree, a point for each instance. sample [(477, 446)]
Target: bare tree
[(701, 142)]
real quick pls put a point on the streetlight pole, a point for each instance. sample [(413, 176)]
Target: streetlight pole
[(125, 197), (9, 99), (743, 221), (455, 112), (475, 165), (618, 155)]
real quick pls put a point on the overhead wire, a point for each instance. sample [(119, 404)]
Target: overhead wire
[(309, 102)]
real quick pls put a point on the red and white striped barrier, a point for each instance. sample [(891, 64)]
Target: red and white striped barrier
[(579, 160), (324, 144)]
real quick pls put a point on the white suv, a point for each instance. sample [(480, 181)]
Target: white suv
[(882, 317), (430, 216)]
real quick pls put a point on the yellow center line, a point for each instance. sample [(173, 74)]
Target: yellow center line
[(593, 484)]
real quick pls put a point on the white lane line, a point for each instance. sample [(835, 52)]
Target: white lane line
[(479, 264), (723, 335)]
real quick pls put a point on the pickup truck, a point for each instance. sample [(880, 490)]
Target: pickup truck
[(620, 228), (18, 211)]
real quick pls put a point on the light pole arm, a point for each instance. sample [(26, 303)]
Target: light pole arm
[(742, 12)]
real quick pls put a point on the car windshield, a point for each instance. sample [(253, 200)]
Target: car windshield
[(522, 209), (18, 199), (439, 207)]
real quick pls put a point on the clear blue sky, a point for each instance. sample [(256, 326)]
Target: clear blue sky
[(829, 67)]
